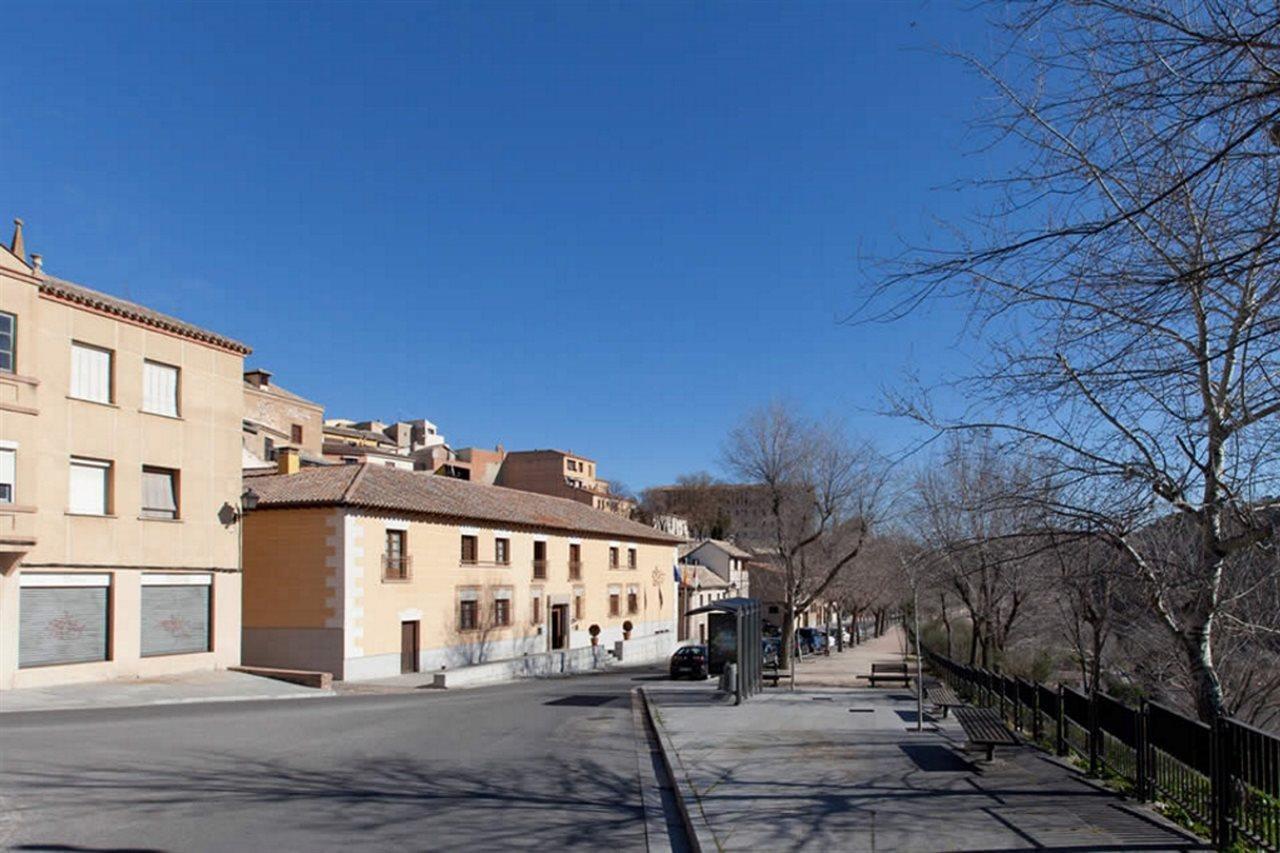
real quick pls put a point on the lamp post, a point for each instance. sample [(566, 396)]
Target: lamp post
[(248, 503)]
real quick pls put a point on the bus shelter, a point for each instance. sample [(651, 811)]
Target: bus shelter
[(734, 637)]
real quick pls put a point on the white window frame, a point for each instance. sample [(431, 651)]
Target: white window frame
[(106, 467), (13, 343), (81, 387), (152, 397), (9, 471)]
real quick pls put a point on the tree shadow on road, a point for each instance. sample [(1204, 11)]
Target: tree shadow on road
[(558, 803)]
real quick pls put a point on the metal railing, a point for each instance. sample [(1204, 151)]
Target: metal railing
[(540, 570), (575, 570), (397, 567), (1224, 777)]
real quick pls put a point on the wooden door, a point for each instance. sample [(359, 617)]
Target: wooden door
[(408, 647), (559, 625)]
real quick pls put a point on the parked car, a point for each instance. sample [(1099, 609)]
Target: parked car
[(690, 661), (811, 640)]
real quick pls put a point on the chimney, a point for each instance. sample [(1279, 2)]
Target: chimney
[(258, 378), (17, 246), (37, 262), (288, 460)]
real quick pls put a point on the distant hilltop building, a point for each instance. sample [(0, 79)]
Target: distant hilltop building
[(561, 474), (404, 444)]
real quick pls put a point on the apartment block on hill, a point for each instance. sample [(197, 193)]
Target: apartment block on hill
[(564, 475)]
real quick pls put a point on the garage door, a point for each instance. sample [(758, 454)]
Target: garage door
[(62, 618), (175, 613)]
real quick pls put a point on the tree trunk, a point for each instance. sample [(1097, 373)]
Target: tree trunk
[(1198, 644), (946, 620)]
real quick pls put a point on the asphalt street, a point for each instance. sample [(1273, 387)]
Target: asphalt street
[(549, 764)]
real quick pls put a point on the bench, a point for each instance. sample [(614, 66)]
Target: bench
[(985, 727), (771, 672), (895, 672), (942, 696)]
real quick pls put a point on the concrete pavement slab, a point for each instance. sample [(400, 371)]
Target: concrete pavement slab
[(212, 686), (841, 769)]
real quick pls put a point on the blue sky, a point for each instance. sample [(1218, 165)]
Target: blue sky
[(599, 226)]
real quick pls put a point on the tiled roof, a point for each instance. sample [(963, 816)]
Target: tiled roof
[(377, 487), (728, 547), (281, 391), (82, 295)]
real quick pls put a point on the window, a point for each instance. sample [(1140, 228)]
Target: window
[(502, 611), (470, 546), (90, 487), (8, 335), (613, 557), (502, 551), (575, 561), (159, 493), (539, 559), (615, 602), (395, 565), (578, 598), (631, 558), (295, 433), (8, 474), (268, 450), (633, 600), (90, 373), (536, 608), (159, 389), (467, 620)]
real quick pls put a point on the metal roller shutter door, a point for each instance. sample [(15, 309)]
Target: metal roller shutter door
[(62, 625), (175, 619)]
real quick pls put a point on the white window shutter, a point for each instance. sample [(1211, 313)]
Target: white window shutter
[(90, 373), (160, 388), (88, 487)]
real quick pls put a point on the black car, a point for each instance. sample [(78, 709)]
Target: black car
[(690, 661)]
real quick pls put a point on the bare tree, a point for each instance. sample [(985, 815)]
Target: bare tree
[(1126, 286), (821, 494)]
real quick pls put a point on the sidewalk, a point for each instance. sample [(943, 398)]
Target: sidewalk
[(841, 669), (214, 686), (823, 769)]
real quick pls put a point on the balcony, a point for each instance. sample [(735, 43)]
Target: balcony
[(575, 570), (539, 570), (397, 568)]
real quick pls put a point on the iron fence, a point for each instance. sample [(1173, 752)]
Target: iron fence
[(1224, 777)]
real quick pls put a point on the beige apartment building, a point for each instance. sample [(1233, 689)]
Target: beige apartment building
[(276, 417), (563, 475), (119, 470), (367, 571)]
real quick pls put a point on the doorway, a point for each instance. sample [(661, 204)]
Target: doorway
[(559, 626), (408, 647)]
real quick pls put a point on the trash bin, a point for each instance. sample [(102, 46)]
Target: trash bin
[(729, 678)]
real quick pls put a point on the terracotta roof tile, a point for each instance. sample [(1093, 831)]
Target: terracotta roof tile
[(377, 487), (78, 293)]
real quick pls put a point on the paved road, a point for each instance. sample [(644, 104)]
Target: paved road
[(549, 764)]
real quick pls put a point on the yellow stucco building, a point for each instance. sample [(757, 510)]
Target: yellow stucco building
[(119, 448), (366, 571)]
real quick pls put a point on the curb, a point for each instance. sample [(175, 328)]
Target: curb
[(697, 830), (194, 700)]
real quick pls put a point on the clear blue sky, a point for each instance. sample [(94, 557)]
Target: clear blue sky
[(599, 226)]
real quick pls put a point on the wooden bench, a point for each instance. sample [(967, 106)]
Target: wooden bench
[(895, 672), (985, 727), (942, 696)]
